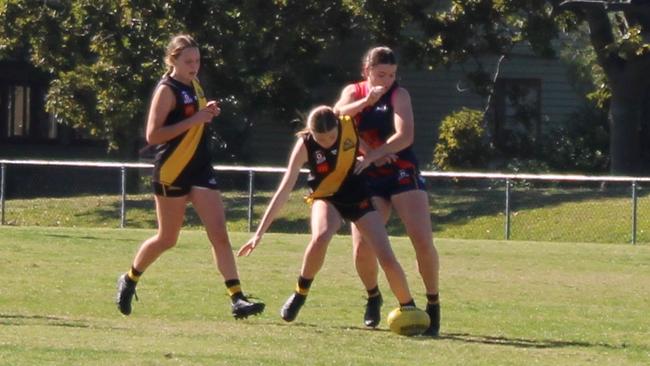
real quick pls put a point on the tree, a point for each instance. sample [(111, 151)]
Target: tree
[(618, 33), (105, 57)]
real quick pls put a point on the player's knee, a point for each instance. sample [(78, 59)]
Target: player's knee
[(389, 263), (166, 244), (320, 240)]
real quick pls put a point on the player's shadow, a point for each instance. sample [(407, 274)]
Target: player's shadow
[(18, 319), (88, 237), (522, 342)]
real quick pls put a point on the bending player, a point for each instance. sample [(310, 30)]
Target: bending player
[(330, 147)]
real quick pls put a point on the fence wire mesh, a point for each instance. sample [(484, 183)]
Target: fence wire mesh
[(475, 207)]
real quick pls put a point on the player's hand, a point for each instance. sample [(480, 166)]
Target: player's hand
[(386, 159), (374, 94), (213, 107), (248, 248), (361, 164)]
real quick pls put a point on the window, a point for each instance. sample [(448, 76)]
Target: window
[(22, 113), (18, 111), (518, 115)]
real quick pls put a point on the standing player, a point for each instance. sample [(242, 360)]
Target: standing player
[(183, 173), (384, 117), (329, 145)]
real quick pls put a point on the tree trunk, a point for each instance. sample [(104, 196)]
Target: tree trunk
[(625, 115)]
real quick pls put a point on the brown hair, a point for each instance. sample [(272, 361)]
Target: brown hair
[(381, 55), (320, 120), (175, 47)]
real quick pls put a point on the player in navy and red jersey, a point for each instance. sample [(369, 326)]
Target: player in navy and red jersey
[(183, 173), (384, 117), (329, 146)]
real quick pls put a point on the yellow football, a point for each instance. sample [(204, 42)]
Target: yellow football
[(408, 321)]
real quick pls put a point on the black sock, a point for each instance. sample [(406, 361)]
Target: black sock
[(433, 299), (234, 290), (410, 303), (373, 292), (133, 275), (303, 285)]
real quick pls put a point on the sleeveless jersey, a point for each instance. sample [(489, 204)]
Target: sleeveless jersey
[(331, 170), (376, 124), (187, 152)]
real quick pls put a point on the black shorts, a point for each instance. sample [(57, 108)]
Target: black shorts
[(352, 211), (203, 178), (403, 180)]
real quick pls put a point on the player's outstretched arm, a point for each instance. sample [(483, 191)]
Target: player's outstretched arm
[(296, 161)]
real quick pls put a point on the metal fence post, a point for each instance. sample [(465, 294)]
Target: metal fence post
[(123, 191), (3, 173), (634, 211), (251, 178), (507, 228)]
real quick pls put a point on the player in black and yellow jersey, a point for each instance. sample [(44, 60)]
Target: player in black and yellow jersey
[(183, 173), (384, 116), (329, 145)]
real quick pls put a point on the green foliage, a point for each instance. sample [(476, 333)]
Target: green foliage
[(462, 143), (105, 58), (579, 144), (260, 58)]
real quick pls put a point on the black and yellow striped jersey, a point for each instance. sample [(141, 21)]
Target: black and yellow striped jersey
[(189, 150)]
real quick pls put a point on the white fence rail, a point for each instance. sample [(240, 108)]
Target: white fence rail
[(507, 181)]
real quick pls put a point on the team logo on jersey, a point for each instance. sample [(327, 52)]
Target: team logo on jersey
[(189, 110), (323, 168), (381, 108), (319, 156), (348, 144), (187, 99), (334, 151), (403, 177)]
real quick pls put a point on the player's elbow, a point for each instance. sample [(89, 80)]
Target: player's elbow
[(152, 139)]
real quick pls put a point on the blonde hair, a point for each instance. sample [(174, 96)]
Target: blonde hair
[(175, 47), (320, 120)]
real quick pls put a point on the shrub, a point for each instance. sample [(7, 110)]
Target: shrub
[(461, 141)]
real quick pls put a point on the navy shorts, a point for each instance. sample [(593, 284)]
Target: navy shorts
[(402, 180), (203, 178)]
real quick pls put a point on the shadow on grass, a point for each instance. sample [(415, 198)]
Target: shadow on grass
[(522, 342), (17, 319), (112, 239), (451, 205)]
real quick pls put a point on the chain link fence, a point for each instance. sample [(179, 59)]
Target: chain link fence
[(564, 208)]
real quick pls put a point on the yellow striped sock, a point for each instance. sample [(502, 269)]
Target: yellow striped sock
[(302, 291), (134, 277), (234, 289)]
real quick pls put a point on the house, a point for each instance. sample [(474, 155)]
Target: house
[(526, 85)]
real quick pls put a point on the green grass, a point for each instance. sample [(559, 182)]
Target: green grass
[(542, 214), (504, 303)]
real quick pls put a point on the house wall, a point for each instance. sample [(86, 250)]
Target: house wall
[(434, 95)]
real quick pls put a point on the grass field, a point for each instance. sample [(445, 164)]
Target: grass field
[(504, 303), (548, 214)]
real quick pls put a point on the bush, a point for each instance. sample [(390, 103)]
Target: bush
[(461, 141)]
